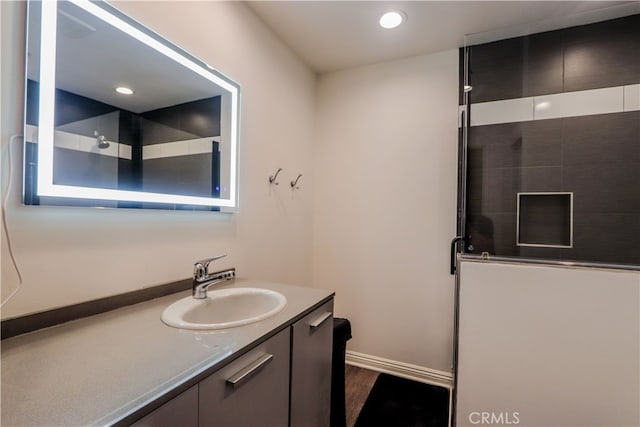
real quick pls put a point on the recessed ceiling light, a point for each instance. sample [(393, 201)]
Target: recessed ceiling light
[(124, 90), (392, 19)]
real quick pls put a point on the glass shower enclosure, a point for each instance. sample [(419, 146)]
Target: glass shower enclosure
[(548, 223), (550, 143)]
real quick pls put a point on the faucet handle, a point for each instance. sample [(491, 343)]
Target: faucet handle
[(206, 262), (201, 268)]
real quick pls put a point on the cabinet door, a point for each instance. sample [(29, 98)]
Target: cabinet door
[(311, 351), (179, 411), (252, 390)]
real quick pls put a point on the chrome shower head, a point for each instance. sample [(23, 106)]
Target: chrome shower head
[(102, 141)]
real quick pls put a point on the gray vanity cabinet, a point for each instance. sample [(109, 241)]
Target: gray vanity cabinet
[(179, 411), (253, 390), (283, 382), (311, 368)]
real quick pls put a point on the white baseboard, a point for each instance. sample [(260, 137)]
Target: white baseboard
[(400, 369)]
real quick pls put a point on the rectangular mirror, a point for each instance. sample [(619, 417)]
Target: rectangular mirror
[(117, 116)]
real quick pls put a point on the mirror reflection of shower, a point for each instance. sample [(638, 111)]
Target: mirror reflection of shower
[(101, 140)]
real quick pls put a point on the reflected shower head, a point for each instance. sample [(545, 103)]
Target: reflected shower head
[(102, 141)]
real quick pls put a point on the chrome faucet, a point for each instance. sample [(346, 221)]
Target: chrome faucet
[(202, 280)]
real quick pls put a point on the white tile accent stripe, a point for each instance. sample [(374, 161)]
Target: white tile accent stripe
[(507, 111), (615, 99), (178, 148), (580, 103), (125, 151), (83, 143), (632, 97), (86, 144)]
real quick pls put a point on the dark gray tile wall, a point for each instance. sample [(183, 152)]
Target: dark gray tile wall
[(601, 55), (496, 70), (188, 175), (596, 157), (605, 188), (78, 168), (544, 69), (130, 171), (602, 138), (523, 144), (197, 119), (609, 237), (591, 56), (69, 106)]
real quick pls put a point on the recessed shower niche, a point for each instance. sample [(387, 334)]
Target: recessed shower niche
[(545, 220)]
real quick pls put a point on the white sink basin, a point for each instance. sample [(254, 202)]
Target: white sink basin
[(224, 308)]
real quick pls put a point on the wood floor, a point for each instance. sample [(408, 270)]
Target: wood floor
[(358, 384)]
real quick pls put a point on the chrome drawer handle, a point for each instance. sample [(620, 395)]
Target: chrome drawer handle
[(320, 320), (250, 370)]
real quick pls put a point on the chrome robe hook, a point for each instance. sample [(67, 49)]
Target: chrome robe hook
[(272, 178), (294, 184)]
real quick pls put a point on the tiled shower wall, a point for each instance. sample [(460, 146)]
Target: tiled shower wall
[(180, 171), (591, 148), (86, 167)]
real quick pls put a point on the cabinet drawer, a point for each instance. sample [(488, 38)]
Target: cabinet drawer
[(311, 353), (179, 411), (252, 390)]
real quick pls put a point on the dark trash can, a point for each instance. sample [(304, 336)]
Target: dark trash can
[(341, 334)]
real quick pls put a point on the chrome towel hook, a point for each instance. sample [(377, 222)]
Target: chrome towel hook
[(272, 178), (294, 184)]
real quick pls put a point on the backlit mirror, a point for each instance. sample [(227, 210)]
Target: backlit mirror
[(117, 116)]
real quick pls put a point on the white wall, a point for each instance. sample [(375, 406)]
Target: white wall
[(385, 188), (70, 255), (383, 201)]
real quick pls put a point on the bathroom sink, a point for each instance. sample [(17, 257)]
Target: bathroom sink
[(224, 308)]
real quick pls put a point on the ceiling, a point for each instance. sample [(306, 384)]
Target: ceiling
[(334, 35), (94, 57)]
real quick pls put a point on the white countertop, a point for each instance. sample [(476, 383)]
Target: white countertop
[(98, 370)]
